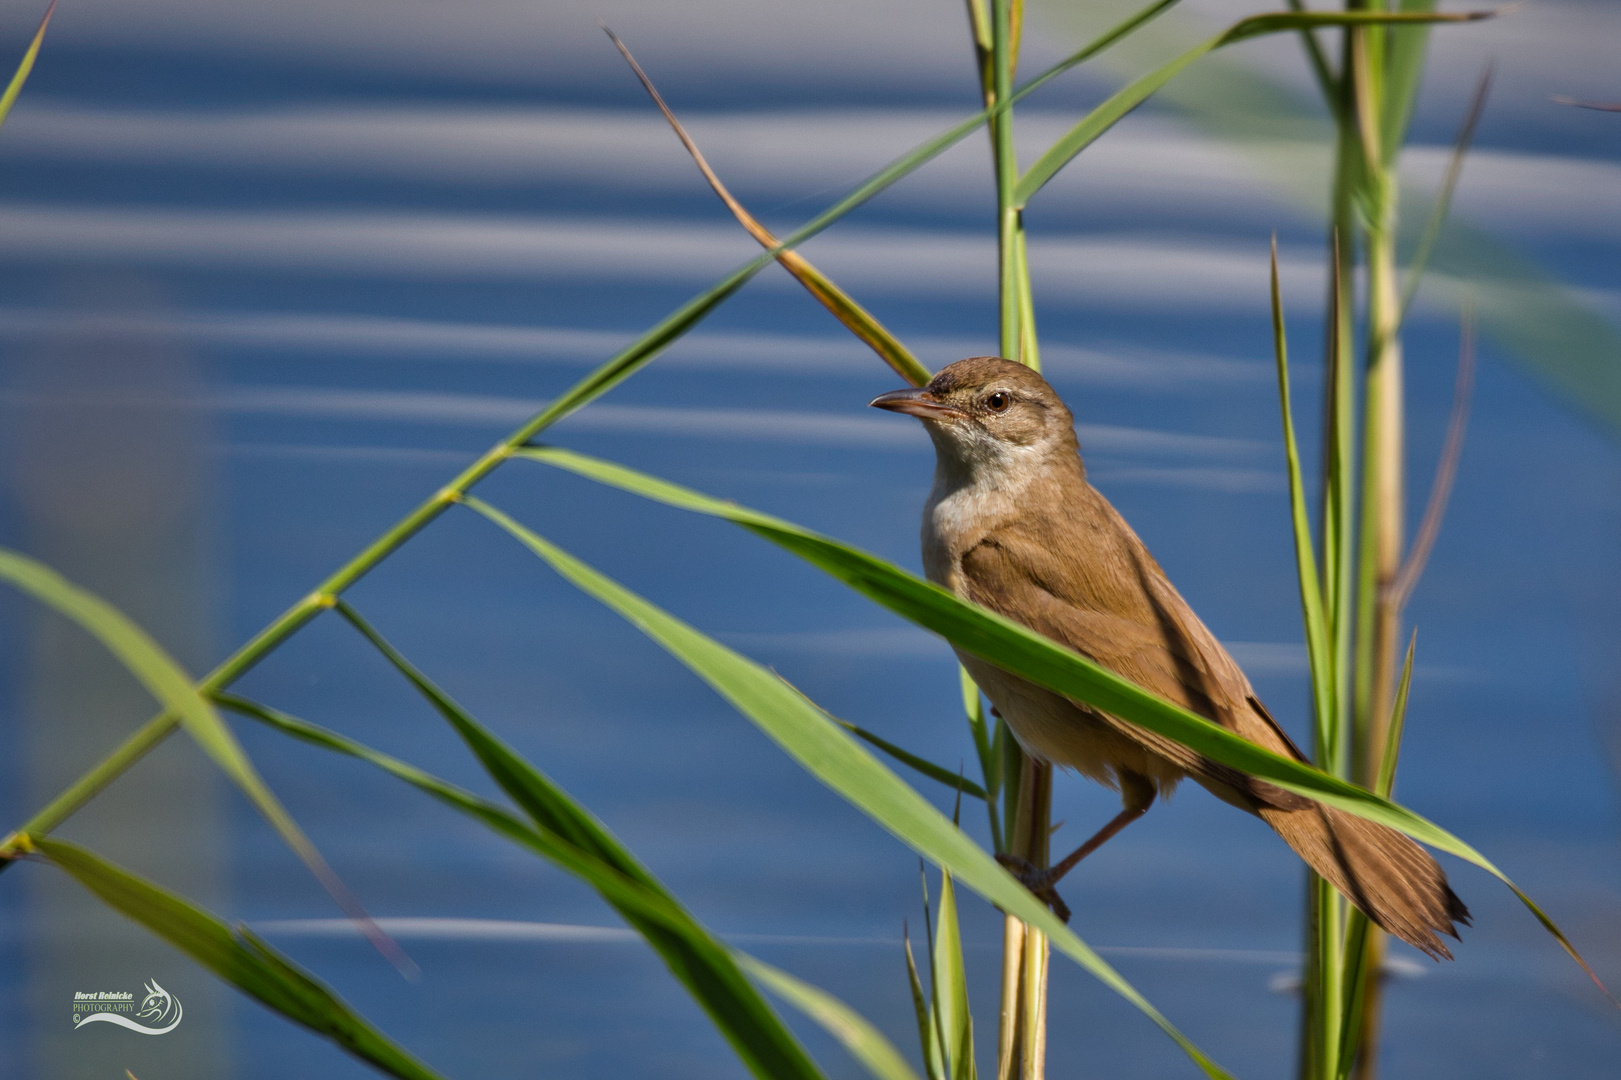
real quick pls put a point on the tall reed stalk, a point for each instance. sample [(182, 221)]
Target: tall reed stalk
[(1362, 528), (1022, 1017)]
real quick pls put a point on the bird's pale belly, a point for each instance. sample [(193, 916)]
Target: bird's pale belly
[(1054, 728)]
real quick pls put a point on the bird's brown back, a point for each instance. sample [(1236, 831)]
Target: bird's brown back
[(1069, 567)]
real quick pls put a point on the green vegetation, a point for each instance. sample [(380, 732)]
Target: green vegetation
[(1353, 579)]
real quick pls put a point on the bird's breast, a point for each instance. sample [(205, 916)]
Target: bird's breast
[(955, 519)]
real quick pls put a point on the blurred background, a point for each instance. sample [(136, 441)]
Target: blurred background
[(271, 273)]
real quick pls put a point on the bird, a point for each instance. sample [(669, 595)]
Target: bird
[(1013, 524)]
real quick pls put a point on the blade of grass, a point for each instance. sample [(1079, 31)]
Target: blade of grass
[(1135, 93), (808, 735), (606, 376), (979, 31), (1327, 81), (857, 1034), (1364, 952), (619, 368), (956, 781), (1339, 497), (493, 816), (239, 958), (158, 672), (1311, 591), (987, 748), (1009, 646), (1361, 954), (1011, 755), (1550, 330), (1398, 718), (937, 1030), (1403, 70), (953, 780), (973, 707), (172, 686), (1005, 643), (25, 66), (857, 319), (701, 962), (623, 883), (926, 1033), (1328, 914), (951, 985), (1004, 160)]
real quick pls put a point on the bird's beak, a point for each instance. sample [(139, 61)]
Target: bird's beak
[(919, 403)]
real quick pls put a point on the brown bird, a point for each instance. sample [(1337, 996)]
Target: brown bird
[(1012, 524)]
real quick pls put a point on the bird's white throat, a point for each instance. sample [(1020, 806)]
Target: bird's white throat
[(978, 483)]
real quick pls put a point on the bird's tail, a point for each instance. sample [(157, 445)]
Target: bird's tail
[(1394, 881)]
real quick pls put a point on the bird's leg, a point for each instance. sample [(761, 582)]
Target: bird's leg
[(1137, 795)]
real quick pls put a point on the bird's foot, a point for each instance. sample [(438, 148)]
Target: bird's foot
[(1040, 882)]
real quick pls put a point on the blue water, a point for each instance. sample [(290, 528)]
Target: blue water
[(330, 222)]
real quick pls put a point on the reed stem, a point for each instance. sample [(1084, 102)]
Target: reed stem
[(1022, 1032), (1362, 521), (1022, 1042), (1006, 165)]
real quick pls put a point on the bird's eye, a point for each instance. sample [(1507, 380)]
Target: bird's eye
[(999, 401)]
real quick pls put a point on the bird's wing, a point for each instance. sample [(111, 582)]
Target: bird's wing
[(1128, 618)]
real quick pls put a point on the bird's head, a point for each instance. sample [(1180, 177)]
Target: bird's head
[(986, 412)]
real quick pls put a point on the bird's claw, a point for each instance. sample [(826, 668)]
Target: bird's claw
[(1038, 881)]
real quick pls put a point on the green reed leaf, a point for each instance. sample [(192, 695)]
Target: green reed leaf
[(927, 1033), (973, 708), (622, 890), (1023, 652), (1123, 101), (170, 684), (1360, 961), (1550, 330), (857, 1035), (702, 963), (239, 958), (853, 1031), (156, 670), (987, 748), (850, 1028), (813, 739), (1327, 81), (599, 381), (843, 307), (954, 781), (1398, 721), (1014, 647), (1404, 54), (492, 815), (620, 367), (1318, 647), (25, 66), (951, 986)]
